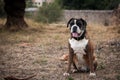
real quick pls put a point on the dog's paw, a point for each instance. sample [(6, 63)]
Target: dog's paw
[(75, 71), (66, 74), (92, 75)]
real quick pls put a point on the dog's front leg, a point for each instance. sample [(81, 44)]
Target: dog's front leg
[(92, 72), (70, 61), (91, 64), (90, 51)]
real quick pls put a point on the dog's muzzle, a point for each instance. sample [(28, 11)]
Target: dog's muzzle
[(75, 31)]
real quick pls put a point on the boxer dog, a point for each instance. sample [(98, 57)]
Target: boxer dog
[(81, 51)]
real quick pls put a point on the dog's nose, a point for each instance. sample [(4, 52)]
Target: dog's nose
[(74, 29)]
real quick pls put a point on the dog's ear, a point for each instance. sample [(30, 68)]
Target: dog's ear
[(69, 21), (84, 22)]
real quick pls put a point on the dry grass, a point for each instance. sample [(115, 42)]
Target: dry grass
[(37, 49), (45, 32)]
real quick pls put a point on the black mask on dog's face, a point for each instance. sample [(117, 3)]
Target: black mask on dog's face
[(77, 27)]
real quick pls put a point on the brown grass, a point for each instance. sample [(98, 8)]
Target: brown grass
[(37, 49)]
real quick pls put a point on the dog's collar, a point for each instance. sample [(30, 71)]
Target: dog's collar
[(81, 36)]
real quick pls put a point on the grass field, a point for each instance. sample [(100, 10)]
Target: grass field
[(37, 50)]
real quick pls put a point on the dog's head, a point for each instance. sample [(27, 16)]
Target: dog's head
[(77, 27)]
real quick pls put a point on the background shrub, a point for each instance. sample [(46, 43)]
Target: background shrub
[(49, 13)]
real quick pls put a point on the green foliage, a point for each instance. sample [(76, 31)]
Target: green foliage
[(70, 78), (118, 77), (89, 4), (29, 3), (2, 13), (49, 13)]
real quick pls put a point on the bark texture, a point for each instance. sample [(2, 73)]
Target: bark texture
[(15, 10)]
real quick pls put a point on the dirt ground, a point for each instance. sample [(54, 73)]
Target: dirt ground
[(37, 51)]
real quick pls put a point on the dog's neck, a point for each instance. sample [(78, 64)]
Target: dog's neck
[(80, 37)]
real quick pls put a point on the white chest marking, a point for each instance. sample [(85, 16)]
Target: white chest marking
[(78, 46)]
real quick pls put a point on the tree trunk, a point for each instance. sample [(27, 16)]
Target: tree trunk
[(15, 10)]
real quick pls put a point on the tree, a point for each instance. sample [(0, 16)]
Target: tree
[(2, 13), (89, 4), (15, 10)]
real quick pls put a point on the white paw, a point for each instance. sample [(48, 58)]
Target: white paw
[(66, 74), (92, 74), (74, 70)]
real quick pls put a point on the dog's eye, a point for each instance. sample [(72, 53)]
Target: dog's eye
[(79, 24), (72, 23)]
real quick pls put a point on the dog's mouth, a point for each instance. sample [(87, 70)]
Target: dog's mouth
[(76, 35)]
